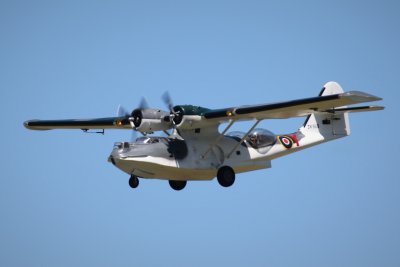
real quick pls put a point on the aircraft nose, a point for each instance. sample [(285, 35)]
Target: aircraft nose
[(115, 155), (111, 159)]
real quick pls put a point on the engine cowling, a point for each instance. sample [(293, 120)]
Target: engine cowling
[(190, 117), (150, 120)]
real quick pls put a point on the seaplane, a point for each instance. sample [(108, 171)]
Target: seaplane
[(194, 149)]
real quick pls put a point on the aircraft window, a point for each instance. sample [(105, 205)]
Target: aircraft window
[(148, 140), (118, 145), (261, 138), (236, 134), (142, 140), (153, 140)]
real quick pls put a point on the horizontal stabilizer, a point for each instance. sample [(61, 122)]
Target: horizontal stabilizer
[(356, 109)]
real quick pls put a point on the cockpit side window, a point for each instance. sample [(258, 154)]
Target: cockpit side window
[(236, 135), (261, 138)]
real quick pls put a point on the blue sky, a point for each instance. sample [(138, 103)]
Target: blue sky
[(62, 204)]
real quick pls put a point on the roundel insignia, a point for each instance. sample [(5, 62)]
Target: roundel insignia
[(286, 141)]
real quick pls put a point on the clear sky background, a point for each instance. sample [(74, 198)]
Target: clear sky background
[(63, 204)]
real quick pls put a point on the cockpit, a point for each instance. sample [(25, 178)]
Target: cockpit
[(261, 138), (144, 140), (148, 140), (258, 138)]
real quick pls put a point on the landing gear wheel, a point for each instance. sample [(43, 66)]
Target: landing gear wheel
[(177, 185), (226, 176), (133, 181)]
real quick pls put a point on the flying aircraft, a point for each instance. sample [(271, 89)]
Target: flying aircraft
[(196, 150)]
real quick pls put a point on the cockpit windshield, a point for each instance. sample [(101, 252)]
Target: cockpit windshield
[(261, 138), (148, 140), (142, 140)]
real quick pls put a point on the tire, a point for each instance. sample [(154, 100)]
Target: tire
[(133, 181), (177, 185), (226, 176)]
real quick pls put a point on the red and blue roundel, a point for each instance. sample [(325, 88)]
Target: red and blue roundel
[(286, 141)]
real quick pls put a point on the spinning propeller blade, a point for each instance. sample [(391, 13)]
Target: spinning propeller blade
[(122, 112), (133, 136), (134, 117), (143, 104), (176, 114), (168, 101)]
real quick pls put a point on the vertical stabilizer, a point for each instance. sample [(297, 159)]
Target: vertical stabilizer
[(326, 125)]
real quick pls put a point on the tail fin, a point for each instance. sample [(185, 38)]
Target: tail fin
[(330, 126)]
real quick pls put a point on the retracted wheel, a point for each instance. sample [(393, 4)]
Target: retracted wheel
[(177, 185), (133, 181), (226, 176)]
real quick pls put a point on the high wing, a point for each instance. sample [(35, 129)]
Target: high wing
[(84, 124), (297, 108), (332, 99)]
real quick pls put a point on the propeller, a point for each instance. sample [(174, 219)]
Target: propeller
[(147, 120), (134, 117), (143, 103), (137, 114), (134, 136), (168, 101), (122, 112), (176, 114)]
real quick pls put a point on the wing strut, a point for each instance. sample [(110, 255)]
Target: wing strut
[(218, 139), (243, 138)]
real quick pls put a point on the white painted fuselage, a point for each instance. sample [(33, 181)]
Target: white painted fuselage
[(199, 157)]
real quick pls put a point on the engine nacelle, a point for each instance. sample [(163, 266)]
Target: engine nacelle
[(189, 117), (151, 120)]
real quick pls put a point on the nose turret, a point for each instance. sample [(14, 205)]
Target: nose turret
[(118, 149)]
